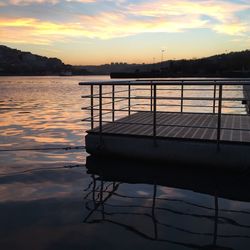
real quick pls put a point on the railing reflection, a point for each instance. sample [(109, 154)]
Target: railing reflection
[(108, 177)]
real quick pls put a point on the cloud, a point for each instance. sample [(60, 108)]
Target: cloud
[(109, 25), (221, 15), (82, 1), (167, 16), (28, 2), (33, 31), (127, 19), (217, 9), (231, 28)]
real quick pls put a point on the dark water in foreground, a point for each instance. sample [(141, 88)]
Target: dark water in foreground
[(62, 199)]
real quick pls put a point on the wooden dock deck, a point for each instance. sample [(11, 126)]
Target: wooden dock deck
[(194, 126)]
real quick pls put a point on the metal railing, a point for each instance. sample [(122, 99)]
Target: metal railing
[(112, 100)]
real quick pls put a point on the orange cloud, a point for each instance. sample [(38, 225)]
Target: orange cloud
[(30, 30), (131, 19), (109, 25), (104, 26)]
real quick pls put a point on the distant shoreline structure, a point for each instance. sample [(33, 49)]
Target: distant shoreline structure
[(136, 75)]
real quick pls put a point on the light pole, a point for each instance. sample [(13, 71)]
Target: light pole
[(162, 53)]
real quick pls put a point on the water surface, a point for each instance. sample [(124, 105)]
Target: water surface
[(63, 199)]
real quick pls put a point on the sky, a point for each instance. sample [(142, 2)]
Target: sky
[(93, 32)]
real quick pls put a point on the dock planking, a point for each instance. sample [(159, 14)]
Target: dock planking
[(193, 126)]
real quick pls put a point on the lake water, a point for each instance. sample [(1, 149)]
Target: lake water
[(64, 199)]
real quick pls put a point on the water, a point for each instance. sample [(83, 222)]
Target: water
[(62, 199)]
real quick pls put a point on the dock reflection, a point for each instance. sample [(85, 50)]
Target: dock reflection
[(185, 220)]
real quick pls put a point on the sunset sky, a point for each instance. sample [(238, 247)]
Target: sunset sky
[(103, 31)]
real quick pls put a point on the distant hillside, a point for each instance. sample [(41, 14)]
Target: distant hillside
[(17, 62), (233, 64)]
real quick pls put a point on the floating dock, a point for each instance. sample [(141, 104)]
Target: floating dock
[(196, 122)]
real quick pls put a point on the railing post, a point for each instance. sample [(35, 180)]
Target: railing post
[(129, 101), (151, 97), (182, 88), (113, 103), (92, 105), (154, 115), (100, 113), (214, 100), (219, 117)]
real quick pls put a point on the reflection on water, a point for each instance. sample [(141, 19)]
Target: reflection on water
[(117, 204), (166, 211), (40, 111), (58, 199)]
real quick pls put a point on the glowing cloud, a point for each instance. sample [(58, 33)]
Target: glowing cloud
[(109, 25), (130, 19), (231, 28), (34, 31), (221, 15)]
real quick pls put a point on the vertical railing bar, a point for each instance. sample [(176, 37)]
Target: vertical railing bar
[(182, 88), (151, 97), (214, 101), (154, 115), (113, 103), (92, 105), (129, 92), (100, 112), (219, 117)]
